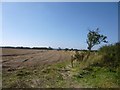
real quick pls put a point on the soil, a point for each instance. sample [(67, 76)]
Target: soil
[(13, 59)]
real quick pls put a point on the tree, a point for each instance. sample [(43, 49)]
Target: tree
[(59, 49), (94, 38), (49, 48), (71, 49), (66, 49)]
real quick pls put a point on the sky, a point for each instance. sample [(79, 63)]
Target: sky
[(57, 24)]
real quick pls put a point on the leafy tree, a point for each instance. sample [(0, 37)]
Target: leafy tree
[(95, 38)]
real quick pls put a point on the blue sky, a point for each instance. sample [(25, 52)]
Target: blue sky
[(57, 24)]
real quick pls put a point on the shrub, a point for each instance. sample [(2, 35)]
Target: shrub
[(111, 54)]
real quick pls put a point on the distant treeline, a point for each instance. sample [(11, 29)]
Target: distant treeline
[(43, 48), (46, 48)]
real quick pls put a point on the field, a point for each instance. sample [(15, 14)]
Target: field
[(25, 63), (19, 58), (31, 68)]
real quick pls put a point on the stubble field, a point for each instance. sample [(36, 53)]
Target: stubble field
[(27, 68), (18, 58)]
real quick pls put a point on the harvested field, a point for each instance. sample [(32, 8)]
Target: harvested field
[(16, 58), (28, 68), (31, 68)]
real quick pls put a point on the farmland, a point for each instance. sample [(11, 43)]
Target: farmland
[(18, 58), (20, 62), (32, 68)]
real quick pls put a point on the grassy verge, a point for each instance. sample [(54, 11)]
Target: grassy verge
[(97, 77)]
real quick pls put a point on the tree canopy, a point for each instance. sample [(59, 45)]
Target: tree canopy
[(95, 38)]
